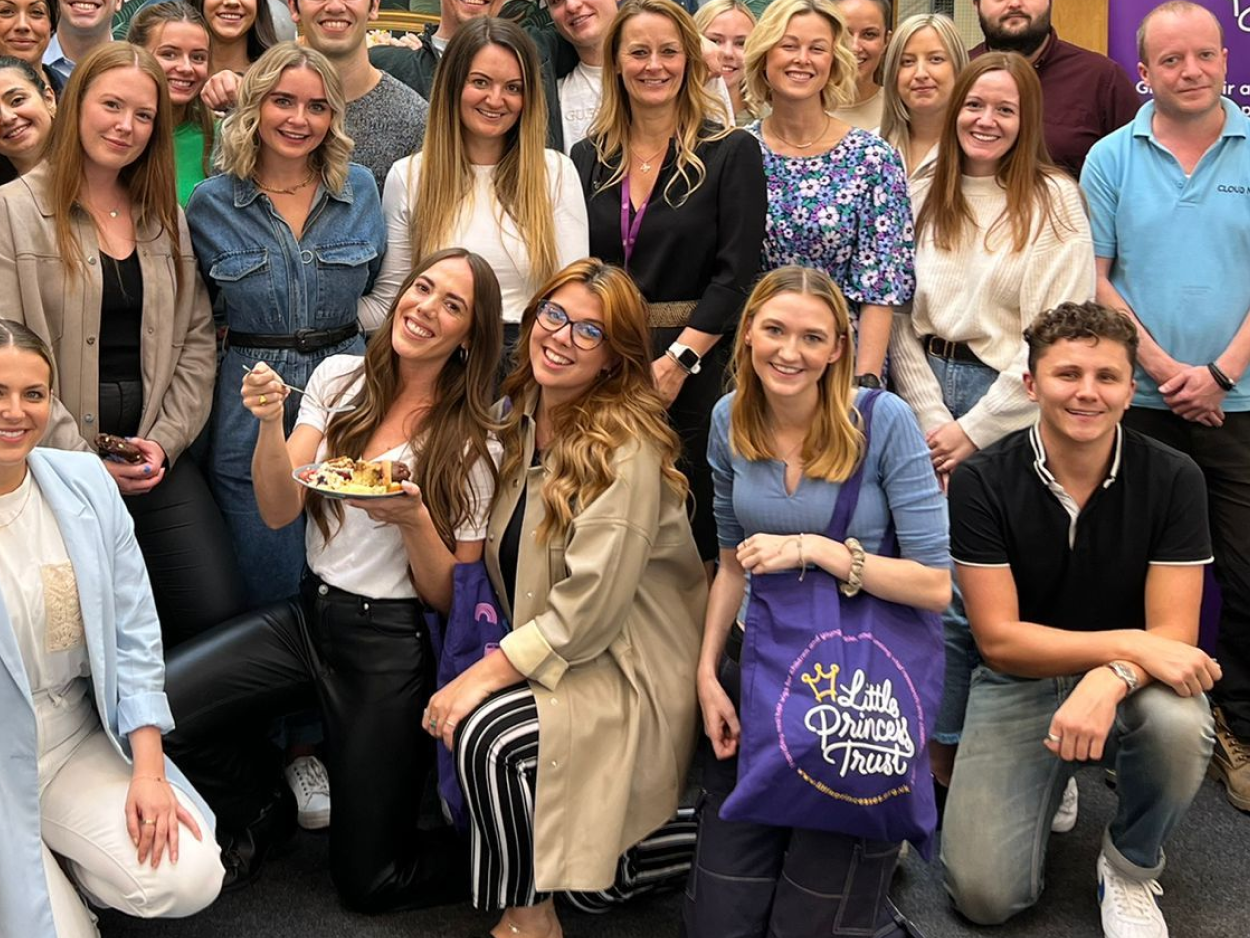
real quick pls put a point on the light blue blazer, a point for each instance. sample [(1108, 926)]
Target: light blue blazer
[(127, 670)]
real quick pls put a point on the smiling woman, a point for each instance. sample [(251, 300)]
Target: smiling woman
[(97, 260), (26, 28), (26, 110), (288, 237), (483, 177)]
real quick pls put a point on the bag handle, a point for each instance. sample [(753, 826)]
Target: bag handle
[(848, 496)]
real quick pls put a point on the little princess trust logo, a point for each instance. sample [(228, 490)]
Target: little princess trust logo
[(852, 736)]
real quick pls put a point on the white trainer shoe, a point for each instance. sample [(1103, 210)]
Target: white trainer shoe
[(1065, 818), (1130, 909), (307, 778)]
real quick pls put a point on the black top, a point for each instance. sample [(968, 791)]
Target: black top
[(706, 248), (510, 543), (1085, 573), (121, 319)]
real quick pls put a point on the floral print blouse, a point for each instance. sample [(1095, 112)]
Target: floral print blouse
[(846, 211)]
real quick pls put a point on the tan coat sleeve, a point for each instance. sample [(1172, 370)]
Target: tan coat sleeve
[(606, 553), (186, 403)]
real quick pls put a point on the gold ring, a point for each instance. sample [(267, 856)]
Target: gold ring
[(263, 400), (152, 823)]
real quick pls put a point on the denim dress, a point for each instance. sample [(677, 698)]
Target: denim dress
[(266, 281)]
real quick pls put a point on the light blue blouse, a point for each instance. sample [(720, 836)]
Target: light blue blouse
[(899, 482)]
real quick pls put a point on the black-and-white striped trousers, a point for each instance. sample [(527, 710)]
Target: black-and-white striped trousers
[(497, 762)]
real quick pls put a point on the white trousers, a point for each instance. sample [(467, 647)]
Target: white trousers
[(83, 785)]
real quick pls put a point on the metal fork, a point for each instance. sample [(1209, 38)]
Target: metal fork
[(341, 409)]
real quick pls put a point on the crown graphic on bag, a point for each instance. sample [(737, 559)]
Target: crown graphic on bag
[(814, 679)]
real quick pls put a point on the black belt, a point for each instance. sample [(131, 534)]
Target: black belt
[(945, 348), (304, 340)]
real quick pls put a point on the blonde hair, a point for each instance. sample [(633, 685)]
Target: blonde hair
[(703, 22), (520, 182), (610, 130), (148, 180), (838, 92), (895, 118), (834, 443), (620, 408), (240, 139)]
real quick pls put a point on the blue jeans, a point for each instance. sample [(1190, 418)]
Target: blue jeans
[(1007, 787), (963, 385)]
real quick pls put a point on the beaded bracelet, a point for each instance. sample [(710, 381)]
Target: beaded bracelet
[(855, 577)]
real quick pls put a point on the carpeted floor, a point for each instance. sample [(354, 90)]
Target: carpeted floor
[(1207, 892)]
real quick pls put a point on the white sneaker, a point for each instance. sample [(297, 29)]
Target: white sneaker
[(307, 778), (1130, 908), (1065, 818)]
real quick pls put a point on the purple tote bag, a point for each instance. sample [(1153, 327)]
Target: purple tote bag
[(838, 696), (474, 626)]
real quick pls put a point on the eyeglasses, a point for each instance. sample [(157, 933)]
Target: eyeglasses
[(586, 334)]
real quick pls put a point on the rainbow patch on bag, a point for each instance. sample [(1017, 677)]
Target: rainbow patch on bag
[(857, 736)]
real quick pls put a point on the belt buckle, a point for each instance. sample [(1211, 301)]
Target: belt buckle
[(304, 339), (943, 348)]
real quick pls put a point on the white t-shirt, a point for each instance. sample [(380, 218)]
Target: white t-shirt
[(40, 594), (363, 556), (482, 228), (581, 91)]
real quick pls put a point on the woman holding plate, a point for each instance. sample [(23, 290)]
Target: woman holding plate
[(354, 640)]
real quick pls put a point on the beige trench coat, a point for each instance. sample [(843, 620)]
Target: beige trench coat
[(178, 351), (607, 627)]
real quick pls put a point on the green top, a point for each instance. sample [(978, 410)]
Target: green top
[(188, 159)]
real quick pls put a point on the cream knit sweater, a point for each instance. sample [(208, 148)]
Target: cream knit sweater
[(986, 298)]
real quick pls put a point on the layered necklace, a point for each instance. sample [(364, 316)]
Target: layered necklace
[(290, 190)]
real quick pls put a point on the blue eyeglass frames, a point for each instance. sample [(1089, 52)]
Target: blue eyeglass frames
[(586, 334)]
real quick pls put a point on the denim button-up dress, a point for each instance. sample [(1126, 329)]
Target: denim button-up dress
[(266, 281)]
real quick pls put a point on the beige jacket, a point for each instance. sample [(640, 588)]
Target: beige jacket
[(178, 353), (607, 628)]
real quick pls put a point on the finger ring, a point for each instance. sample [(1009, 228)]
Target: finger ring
[(433, 723), (449, 726), (263, 400), (1052, 738), (147, 822)]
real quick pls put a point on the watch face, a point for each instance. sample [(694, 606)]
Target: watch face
[(688, 357), (868, 381)]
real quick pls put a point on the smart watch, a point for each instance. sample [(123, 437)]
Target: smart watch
[(868, 381), (685, 356)]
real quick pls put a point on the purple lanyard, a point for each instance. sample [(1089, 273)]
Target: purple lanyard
[(629, 232)]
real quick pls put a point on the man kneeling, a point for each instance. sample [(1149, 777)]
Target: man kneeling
[(1079, 546)]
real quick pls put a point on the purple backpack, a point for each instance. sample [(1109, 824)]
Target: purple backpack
[(838, 696)]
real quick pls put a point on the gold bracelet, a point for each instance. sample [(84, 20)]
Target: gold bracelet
[(855, 577), (802, 562)]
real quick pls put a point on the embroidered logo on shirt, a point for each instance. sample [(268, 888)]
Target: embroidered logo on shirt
[(62, 612)]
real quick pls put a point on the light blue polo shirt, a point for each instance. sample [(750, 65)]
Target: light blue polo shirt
[(1181, 245)]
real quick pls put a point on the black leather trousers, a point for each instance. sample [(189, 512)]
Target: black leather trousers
[(368, 665)]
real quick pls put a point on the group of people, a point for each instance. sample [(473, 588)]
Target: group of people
[(529, 265)]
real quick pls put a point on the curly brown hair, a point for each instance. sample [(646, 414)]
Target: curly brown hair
[(1080, 321)]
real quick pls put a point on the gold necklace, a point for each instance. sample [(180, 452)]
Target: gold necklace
[(25, 502), (645, 164), (804, 146), (288, 191)]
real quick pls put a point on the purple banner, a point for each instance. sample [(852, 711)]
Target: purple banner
[(1125, 16)]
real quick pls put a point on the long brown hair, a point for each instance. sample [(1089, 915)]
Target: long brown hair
[(620, 407), (149, 179), (1025, 172), (610, 130), (834, 443), (451, 435), (520, 180), (147, 26)]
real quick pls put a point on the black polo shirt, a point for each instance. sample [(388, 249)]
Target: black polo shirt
[(1081, 571)]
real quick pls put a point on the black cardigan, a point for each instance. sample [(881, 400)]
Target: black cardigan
[(706, 249)]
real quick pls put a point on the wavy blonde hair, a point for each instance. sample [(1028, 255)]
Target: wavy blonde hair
[(709, 12), (834, 444), (838, 92), (895, 118), (521, 186), (622, 405), (610, 130), (148, 180), (240, 137)]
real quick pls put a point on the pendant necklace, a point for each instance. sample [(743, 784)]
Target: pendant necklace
[(645, 164), (804, 146)]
